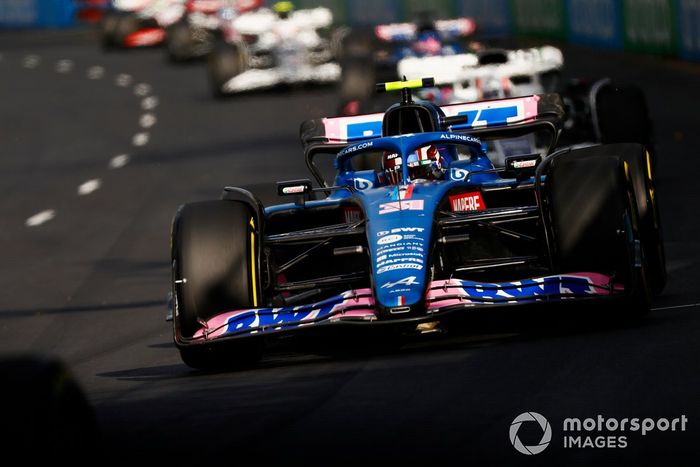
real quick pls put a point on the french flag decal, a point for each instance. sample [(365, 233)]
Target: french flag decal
[(400, 300)]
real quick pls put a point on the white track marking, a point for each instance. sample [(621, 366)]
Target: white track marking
[(31, 61), (89, 186), (150, 103), (119, 161), (689, 305), (148, 120), (40, 218), (140, 139), (142, 90), (123, 80), (64, 66), (95, 72)]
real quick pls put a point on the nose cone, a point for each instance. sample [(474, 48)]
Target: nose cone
[(399, 229)]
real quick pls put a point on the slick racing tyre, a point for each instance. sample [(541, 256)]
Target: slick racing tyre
[(126, 25), (108, 28), (595, 223), (214, 270), (641, 176), (622, 116), (225, 62), (179, 41)]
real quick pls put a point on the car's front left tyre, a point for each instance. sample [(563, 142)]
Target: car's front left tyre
[(214, 270)]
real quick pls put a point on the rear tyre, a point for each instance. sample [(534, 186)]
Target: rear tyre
[(225, 62), (213, 272), (641, 177), (622, 116), (179, 42), (595, 221), (107, 29), (126, 25)]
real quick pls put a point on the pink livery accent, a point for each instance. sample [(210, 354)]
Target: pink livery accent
[(336, 128), (444, 293), (360, 304), (356, 304)]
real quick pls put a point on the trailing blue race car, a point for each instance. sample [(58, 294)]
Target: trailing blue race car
[(418, 226)]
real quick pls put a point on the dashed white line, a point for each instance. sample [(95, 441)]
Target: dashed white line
[(31, 61), (140, 139), (142, 90), (150, 103), (123, 80), (89, 186), (40, 218), (64, 66), (95, 72), (117, 162), (148, 120)]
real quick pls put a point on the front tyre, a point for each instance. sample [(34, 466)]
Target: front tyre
[(214, 269), (225, 62)]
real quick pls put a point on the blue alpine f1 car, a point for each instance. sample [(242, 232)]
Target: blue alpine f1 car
[(411, 222)]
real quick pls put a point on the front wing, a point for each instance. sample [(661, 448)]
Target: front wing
[(443, 297)]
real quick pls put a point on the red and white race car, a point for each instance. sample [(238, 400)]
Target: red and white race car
[(139, 23)]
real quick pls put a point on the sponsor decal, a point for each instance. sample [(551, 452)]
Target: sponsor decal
[(293, 190), (458, 137), (406, 281), (392, 238), (465, 202), (458, 174), (524, 164), (362, 184), (397, 206), (394, 267), (381, 233), (358, 147), (400, 259)]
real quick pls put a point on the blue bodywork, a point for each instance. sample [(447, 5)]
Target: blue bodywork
[(399, 218)]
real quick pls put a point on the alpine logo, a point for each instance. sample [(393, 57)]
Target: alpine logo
[(407, 281), (465, 202)]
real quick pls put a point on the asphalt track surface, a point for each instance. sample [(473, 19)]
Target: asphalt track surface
[(87, 282)]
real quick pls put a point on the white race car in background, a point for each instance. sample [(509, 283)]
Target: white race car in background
[(203, 23), (488, 74), (139, 23), (267, 48)]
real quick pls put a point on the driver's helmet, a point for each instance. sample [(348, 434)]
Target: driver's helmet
[(424, 164), (391, 165), (283, 9)]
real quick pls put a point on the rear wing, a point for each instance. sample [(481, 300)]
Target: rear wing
[(482, 117), (449, 29)]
